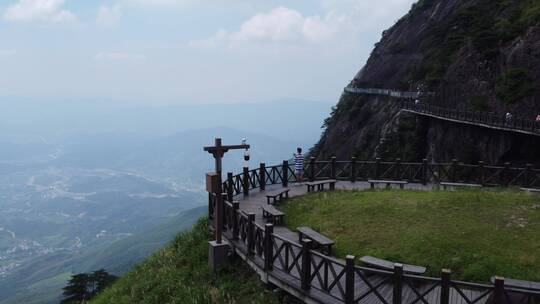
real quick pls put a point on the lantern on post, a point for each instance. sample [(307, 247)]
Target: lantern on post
[(217, 249)]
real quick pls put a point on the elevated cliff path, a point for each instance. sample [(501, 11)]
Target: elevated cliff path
[(475, 118)]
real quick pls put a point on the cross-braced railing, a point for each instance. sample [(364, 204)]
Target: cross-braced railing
[(354, 170), (341, 281)]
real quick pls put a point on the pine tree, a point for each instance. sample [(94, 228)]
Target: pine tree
[(83, 286), (76, 290)]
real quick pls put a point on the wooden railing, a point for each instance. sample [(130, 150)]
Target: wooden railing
[(484, 119), (329, 279), (355, 170), (475, 117)]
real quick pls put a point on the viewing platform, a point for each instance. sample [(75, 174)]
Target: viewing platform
[(277, 255)]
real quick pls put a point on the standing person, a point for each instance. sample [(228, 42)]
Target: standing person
[(508, 118), (299, 165)]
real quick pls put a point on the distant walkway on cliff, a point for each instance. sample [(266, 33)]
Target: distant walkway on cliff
[(474, 118)]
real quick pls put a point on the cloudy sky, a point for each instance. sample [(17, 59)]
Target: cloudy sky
[(187, 51)]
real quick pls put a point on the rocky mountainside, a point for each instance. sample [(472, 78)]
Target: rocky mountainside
[(479, 55)]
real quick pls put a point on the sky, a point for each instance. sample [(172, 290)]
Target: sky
[(187, 51)]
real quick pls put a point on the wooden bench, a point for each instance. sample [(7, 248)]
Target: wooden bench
[(447, 184), (388, 265), (272, 214), (535, 286), (320, 185), (277, 196), (318, 239), (373, 182), (530, 190)]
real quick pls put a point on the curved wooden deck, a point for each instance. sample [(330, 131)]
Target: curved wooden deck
[(370, 286), (275, 253)]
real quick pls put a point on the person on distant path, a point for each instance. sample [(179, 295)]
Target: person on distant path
[(299, 165), (508, 118), (417, 104)]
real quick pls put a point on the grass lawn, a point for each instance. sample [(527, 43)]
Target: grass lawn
[(476, 233)]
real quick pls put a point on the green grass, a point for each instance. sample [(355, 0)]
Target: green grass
[(476, 233), (179, 273)]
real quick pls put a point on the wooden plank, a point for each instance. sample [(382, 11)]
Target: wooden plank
[(377, 181), (530, 190), (315, 236), (388, 265), (277, 192), (328, 181), (272, 210), (520, 284), (460, 185)]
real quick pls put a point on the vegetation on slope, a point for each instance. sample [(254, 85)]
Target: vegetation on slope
[(179, 274), (476, 233)]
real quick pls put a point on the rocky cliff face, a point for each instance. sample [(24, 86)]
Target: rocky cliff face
[(473, 54)]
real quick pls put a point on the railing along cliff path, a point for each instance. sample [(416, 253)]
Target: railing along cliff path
[(476, 118)]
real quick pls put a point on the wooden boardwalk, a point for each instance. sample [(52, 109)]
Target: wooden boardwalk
[(373, 286), (473, 118)]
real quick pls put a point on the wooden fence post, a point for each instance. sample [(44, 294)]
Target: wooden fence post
[(333, 167), (398, 283), (312, 169), (482, 173), (262, 176), (224, 214), (285, 177), (268, 247), (218, 217), (506, 175), (211, 208), (245, 182), (397, 172), (527, 175), (306, 265), (230, 186), (349, 279), (445, 286), (251, 234), (377, 168), (353, 169), (454, 170), (236, 227), (424, 171), (498, 293)]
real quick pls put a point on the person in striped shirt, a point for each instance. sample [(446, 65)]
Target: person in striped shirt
[(299, 165)]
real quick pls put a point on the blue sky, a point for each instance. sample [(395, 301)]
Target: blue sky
[(187, 51)]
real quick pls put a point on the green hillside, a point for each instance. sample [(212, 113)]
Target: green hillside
[(117, 258), (179, 273)]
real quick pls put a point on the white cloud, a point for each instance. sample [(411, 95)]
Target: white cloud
[(158, 2), (119, 56), (108, 15), (280, 25), (344, 21), (38, 10)]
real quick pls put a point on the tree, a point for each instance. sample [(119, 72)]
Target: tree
[(84, 286), (76, 290)]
